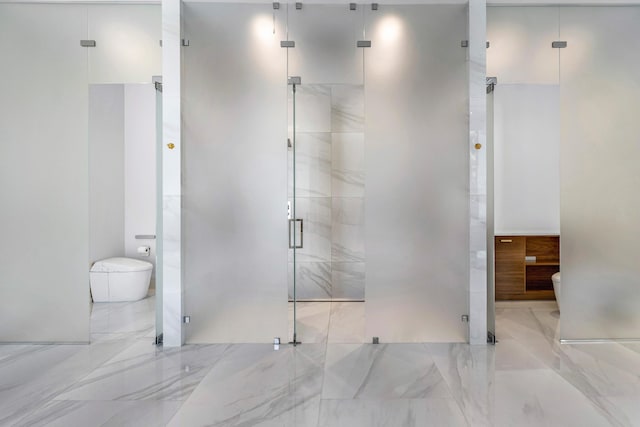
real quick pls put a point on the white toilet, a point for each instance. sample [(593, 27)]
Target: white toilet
[(556, 287), (120, 279)]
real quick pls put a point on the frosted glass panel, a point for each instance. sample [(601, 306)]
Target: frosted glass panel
[(326, 38), (417, 180), (127, 43), (234, 182), (600, 177), (44, 248), (527, 156), (520, 44)]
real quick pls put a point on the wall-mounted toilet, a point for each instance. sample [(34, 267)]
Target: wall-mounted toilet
[(119, 279), (556, 287)]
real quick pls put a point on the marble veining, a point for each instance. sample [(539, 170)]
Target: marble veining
[(527, 379), (347, 232), (359, 371), (348, 280), (313, 280)]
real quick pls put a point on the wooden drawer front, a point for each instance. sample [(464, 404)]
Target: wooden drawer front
[(510, 268)]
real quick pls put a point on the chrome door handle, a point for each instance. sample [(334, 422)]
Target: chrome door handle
[(293, 221)]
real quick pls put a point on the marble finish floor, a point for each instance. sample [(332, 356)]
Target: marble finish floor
[(333, 379)]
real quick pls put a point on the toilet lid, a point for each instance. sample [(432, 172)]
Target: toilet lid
[(120, 265)]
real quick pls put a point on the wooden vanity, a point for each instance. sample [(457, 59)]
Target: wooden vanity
[(518, 276)]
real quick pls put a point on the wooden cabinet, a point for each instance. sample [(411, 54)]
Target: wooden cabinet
[(524, 266)]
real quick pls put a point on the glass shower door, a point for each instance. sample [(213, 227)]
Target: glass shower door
[(295, 224), (158, 84)]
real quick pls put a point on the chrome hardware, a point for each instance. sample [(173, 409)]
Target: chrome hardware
[(145, 236), (559, 44), (287, 43), (293, 221), (88, 43), (363, 43)]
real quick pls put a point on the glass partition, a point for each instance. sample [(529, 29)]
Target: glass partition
[(326, 169), (44, 249), (417, 174), (234, 181), (600, 202)]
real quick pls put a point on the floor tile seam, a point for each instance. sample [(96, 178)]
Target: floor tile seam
[(458, 401), (399, 399), (324, 361), (116, 400)]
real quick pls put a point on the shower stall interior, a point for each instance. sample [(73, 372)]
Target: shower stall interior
[(325, 158)]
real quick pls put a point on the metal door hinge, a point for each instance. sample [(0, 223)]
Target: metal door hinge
[(464, 43), (559, 44), (464, 318), (363, 43), (488, 45), (88, 43), (491, 84), (276, 5), (374, 6), (287, 43), (491, 338), (185, 42), (186, 319), (298, 5), (352, 6), (375, 340)]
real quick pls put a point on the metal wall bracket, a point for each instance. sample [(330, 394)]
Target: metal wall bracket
[(186, 319), (185, 42), (159, 339), (491, 83), (88, 43), (160, 43), (298, 5), (295, 80), (287, 43), (464, 318), (352, 6), (375, 340), (363, 43), (488, 45), (374, 6), (464, 43), (491, 338), (157, 81), (276, 5), (559, 44)]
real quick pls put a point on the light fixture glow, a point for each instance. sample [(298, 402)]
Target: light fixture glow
[(263, 28), (390, 29)]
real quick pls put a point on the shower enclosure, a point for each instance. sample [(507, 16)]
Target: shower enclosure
[(325, 158)]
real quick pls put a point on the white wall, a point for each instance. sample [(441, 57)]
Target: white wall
[(106, 171), (122, 169), (139, 168), (527, 150)]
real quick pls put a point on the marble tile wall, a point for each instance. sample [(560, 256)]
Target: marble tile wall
[(330, 151)]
